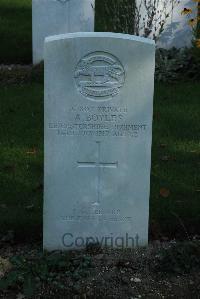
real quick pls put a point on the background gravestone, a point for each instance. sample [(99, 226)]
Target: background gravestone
[(52, 17), (98, 128)]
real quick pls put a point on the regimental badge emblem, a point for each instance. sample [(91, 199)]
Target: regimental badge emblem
[(99, 76)]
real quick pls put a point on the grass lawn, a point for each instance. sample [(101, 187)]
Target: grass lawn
[(176, 160), (21, 156), (175, 178), (15, 31)]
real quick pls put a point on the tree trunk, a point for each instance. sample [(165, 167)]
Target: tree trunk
[(115, 16)]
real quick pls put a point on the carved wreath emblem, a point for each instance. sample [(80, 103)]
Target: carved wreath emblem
[(99, 76)]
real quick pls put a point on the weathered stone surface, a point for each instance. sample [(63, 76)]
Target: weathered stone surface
[(98, 130), (50, 17)]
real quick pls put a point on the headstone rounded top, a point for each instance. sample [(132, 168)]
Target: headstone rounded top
[(100, 35)]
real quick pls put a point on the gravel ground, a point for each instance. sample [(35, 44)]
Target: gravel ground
[(138, 273)]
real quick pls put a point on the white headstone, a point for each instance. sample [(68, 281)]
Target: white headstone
[(52, 17), (98, 131)]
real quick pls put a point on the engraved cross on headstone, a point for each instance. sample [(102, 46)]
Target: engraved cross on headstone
[(99, 165)]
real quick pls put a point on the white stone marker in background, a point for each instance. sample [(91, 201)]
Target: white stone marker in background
[(51, 17), (98, 131)]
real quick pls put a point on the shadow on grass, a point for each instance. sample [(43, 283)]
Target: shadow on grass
[(15, 31), (175, 161), (21, 198), (21, 155)]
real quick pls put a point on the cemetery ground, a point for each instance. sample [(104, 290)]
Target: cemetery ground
[(164, 270)]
